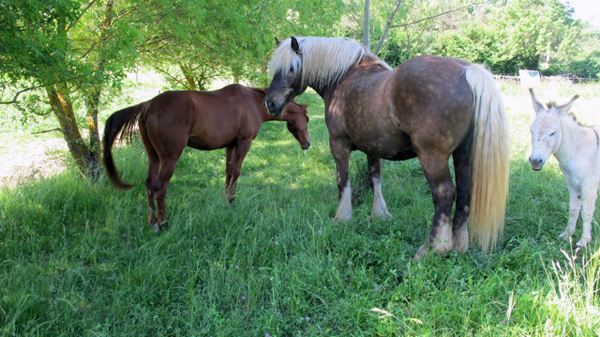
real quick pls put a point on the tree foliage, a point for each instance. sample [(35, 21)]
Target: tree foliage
[(59, 57)]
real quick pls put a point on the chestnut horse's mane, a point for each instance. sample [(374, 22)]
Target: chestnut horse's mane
[(324, 60)]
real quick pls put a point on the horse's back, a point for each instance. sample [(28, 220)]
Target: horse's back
[(204, 120), (432, 100)]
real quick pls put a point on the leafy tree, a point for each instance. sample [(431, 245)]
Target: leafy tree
[(70, 50), (204, 40)]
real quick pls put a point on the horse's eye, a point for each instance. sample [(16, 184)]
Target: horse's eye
[(291, 69), (552, 134)]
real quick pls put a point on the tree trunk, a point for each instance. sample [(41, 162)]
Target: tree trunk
[(366, 38), (189, 76), (92, 101), (63, 110), (236, 76)]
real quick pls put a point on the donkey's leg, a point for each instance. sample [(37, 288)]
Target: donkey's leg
[(443, 192), (153, 167), (238, 155), (379, 207), (587, 212), (574, 208), (460, 232), (341, 154)]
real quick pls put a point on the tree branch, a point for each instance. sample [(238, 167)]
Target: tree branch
[(46, 131), (387, 26), (14, 100), (435, 16), (80, 15), (168, 74), (351, 14)]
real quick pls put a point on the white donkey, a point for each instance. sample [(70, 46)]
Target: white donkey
[(557, 132)]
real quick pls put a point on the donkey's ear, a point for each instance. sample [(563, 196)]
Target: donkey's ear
[(537, 105), (277, 42), (564, 109), (295, 45)]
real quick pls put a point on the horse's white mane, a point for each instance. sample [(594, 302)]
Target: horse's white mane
[(324, 59)]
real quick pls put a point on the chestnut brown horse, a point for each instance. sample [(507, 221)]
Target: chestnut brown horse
[(205, 120), (429, 107)]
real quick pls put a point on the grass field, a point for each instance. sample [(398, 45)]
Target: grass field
[(79, 260)]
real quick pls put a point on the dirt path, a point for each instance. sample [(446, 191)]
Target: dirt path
[(24, 161)]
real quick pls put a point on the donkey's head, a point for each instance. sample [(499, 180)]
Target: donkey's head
[(546, 130)]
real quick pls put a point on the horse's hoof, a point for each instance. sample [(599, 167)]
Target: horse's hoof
[(461, 240), (421, 252), (443, 242), (156, 228)]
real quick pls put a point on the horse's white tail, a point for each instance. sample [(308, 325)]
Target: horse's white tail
[(490, 159)]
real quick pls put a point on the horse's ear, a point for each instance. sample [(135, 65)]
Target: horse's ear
[(277, 42), (537, 105), (295, 45), (564, 109)]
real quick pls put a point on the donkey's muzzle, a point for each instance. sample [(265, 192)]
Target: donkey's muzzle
[(536, 163)]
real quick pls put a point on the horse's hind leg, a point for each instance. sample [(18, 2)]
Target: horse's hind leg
[(237, 158), (167, 169), (153, 166), (341, 154), (443, 192), (460, 233), (379, 207), (228, 170)]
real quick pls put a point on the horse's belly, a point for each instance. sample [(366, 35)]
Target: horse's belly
[(396, 148), (205, 144)]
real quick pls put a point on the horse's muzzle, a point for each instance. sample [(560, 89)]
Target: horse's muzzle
[(272, 109), (306, 145)]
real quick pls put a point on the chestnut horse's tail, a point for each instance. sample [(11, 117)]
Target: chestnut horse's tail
[(121, 122), (489, 159)]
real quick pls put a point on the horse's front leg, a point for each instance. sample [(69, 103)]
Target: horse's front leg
[(341, 153), (237, 157), (590, 192), (574, 208), (443, 192), (379, 207)]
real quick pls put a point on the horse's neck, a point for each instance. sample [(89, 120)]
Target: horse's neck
[(259, 96), (324, 88)]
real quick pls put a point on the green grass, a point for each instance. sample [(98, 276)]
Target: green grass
[(80, 260)]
